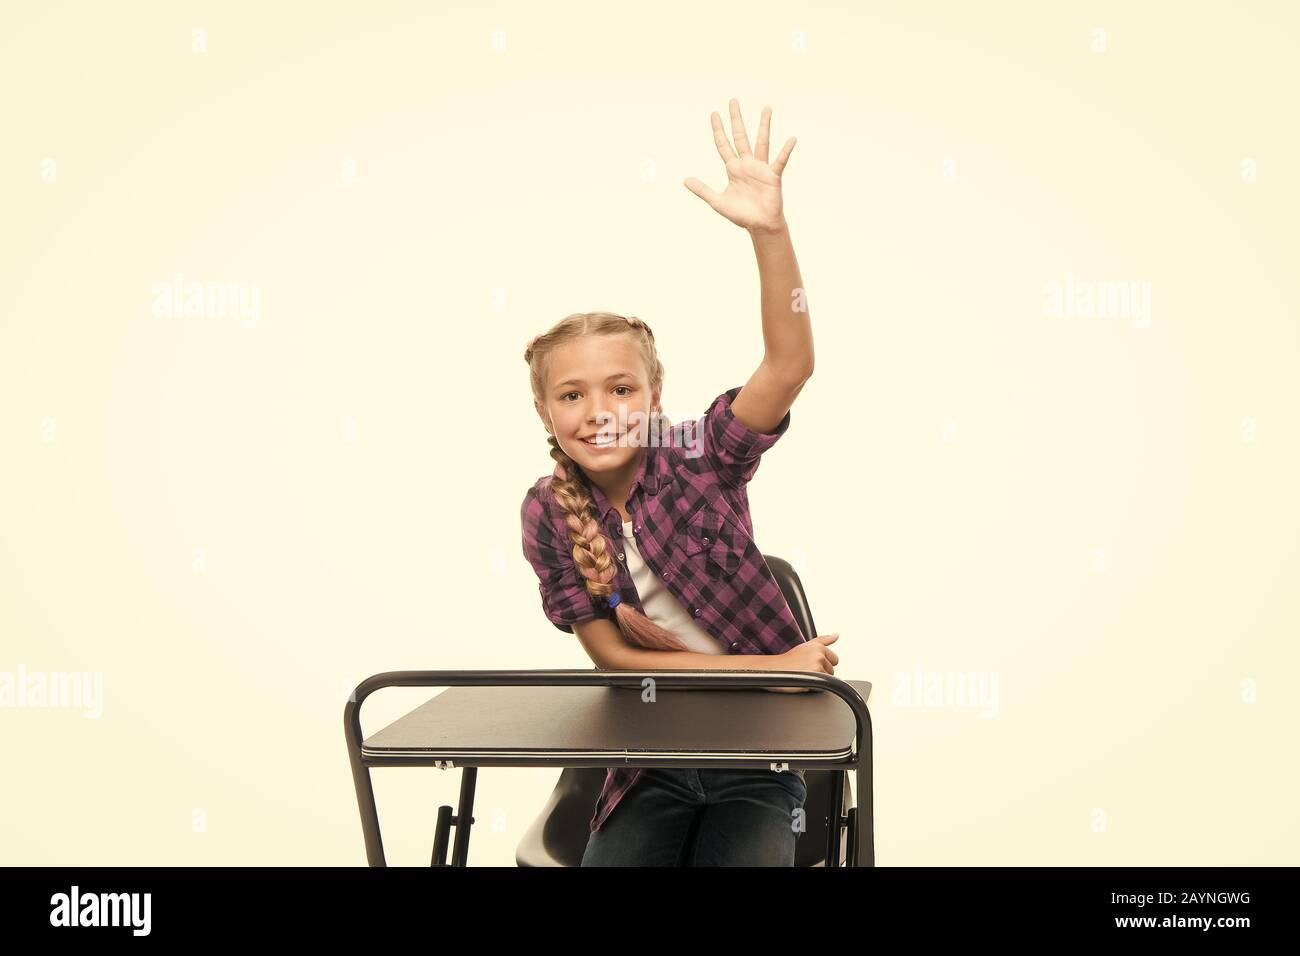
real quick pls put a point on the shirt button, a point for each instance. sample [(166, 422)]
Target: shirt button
[(621, 557), (735, 645), (696, 612), (706, 540), (636, 530)]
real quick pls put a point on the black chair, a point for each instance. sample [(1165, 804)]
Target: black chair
[(559, 835)]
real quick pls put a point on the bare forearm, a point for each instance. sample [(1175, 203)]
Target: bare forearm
[(787, 331), (631, 658)]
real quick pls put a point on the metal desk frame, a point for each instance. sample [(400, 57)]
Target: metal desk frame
[(858, 821)]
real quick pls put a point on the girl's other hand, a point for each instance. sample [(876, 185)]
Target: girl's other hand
[(814, 655), (752, 198)]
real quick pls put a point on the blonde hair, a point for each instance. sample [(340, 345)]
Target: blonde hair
[(592, 551)]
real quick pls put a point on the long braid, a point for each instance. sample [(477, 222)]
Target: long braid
[(592, 552), (593, 555)]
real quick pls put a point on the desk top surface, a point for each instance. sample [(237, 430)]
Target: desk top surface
[(557, 720)]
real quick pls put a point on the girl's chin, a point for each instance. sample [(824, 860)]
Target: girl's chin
[(614, 453), (593, 453)]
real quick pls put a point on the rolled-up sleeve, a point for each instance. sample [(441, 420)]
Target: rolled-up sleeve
[(565, 600), (729, 446)]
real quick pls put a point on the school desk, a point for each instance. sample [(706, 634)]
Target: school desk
[(608, 718)]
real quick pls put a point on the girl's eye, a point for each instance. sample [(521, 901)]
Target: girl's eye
[(567, 394)]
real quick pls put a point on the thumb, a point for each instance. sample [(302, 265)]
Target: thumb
[(701, 190), (828, 638)]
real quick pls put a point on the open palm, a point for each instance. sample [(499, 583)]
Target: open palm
[(752, 198)]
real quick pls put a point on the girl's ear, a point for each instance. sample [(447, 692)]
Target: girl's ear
[(541, 413)]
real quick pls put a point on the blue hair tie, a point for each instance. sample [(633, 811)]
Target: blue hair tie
[(614, 599)]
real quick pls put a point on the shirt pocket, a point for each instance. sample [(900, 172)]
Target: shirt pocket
[(701, 530), (706, 533)]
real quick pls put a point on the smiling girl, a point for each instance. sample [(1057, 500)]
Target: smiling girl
[(643, 543)]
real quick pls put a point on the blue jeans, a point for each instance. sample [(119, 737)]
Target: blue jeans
[(703, 817)]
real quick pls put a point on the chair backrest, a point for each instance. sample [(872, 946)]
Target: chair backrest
[(559, 834), (792, 588)]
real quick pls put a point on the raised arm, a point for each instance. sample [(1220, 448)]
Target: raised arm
[(752, 200)]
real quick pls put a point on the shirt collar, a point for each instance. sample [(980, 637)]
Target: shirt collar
[(650, 475)]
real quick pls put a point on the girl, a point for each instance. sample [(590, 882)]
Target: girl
[(642, 539)]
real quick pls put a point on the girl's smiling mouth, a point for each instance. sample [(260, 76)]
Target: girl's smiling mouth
[(602, 443)]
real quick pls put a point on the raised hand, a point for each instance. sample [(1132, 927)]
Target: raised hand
[(752, 199)]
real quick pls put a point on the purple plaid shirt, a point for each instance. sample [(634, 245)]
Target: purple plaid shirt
[(690, 515)]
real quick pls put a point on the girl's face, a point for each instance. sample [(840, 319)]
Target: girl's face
[(597, 388)]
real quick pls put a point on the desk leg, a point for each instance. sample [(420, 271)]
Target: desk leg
[(834, 812), (369, 813), (862, 852), (463, 820)]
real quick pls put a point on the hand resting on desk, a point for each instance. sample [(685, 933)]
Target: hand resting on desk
[(812, 655)]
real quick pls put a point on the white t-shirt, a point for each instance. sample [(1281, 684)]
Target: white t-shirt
[(660, 605)]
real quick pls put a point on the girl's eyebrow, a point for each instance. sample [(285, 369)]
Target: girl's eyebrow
[(577, 381)]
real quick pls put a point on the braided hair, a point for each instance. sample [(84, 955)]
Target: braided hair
[(592, 551)]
